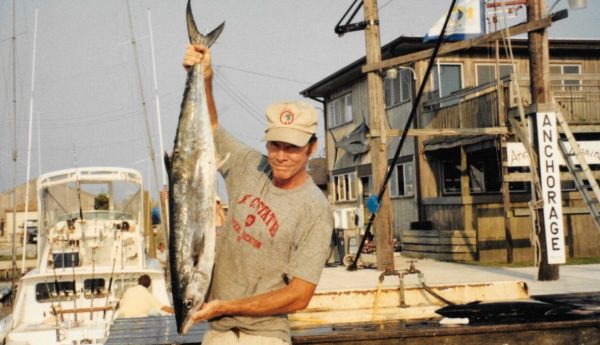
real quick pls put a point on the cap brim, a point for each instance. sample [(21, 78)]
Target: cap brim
[(287, 135)]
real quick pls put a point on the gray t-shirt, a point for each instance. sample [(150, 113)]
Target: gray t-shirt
[(270, 235)]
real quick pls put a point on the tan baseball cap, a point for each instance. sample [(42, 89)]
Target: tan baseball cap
[(292, 122)]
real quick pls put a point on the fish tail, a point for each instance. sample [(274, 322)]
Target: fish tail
[(195, 36)]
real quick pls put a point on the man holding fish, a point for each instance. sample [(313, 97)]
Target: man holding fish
[(275, 241)]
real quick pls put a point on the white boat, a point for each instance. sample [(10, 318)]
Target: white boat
[(91, 248)]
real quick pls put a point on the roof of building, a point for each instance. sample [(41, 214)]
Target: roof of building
[(404, 45)]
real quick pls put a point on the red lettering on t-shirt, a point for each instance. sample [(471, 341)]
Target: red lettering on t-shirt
[(273, 229), (263, 211), (250, 220), (244, 198)]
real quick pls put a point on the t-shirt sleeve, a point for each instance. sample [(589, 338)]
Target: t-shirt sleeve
[(237, 152), (312, 248)]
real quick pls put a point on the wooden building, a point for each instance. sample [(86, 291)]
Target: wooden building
[(446, 192)]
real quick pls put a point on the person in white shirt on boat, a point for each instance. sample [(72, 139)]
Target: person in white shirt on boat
[(138, 301), (161, 255)]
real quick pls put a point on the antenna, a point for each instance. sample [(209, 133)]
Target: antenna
[(77, 183)]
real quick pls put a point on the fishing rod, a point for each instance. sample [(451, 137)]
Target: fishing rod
[(74, 285), (92, 284), (111, 278), (409, 121), (56, 291), (54, 311), (78, 184)]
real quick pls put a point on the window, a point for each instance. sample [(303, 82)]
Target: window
[(563, 83), (345, 187), (398, 90), (447, 80), (98, 290), (487, 73), (46, 292), (477, 177), (367, 185), (339, 110), (484, 174), (401, 183), (451, 177)]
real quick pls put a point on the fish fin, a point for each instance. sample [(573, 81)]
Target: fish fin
[(222, 159), (195, 36)]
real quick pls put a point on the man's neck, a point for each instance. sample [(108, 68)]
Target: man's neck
[(293, 182)]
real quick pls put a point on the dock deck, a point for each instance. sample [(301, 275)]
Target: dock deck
[(578, 287)]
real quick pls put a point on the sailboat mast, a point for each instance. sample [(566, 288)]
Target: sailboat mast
[(14, 152), (146, 122), (25, 220)]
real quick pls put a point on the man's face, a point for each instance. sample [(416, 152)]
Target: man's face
[(288, 162)]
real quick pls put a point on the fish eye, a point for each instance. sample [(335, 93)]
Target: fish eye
[(188, 303)]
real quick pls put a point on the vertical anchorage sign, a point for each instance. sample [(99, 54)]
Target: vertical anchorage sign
[(551, 189)]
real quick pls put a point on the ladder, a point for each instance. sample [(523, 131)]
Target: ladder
[(582, 174)]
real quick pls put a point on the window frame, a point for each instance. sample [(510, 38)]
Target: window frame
[(561, 82), (493, 66), (408, 188), (345, 187), (339, 110), (398, 90)]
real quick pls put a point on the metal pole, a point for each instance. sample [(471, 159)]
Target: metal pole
[(29, 145)]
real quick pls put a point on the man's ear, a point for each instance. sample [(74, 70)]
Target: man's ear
[(312, 148)]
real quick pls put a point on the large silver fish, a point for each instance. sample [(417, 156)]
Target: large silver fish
[(192, 192)]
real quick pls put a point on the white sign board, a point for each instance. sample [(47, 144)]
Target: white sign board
[(467, 21), (550, 184), (518, 156)]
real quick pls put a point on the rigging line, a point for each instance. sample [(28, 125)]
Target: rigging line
[(384, 5), (272, 76), (409, 121), (238, 99), (240, 102), (231, 85)]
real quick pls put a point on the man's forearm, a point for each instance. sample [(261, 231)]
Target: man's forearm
[(210, 102), (291, 298), (286, 300)]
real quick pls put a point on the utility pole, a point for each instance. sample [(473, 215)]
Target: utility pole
[(541, 96), (379, 152)]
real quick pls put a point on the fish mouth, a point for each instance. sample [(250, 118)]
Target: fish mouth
[(188, 321)]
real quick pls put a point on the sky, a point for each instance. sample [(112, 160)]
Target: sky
[(91, 107)]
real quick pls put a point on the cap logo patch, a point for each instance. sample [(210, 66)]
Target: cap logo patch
[(286, 117)]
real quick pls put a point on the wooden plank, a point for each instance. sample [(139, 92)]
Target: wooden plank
[(440, 256), (468, 248), (585, 331), (458, 233), (456, 46), (445, 132), (438, 240)]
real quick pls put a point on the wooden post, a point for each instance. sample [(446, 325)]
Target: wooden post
[(379, 152), (541, 97)]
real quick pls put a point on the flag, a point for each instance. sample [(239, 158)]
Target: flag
[(164, 194), (467, 21)]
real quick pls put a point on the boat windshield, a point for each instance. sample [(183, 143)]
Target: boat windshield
[(111, 200)]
